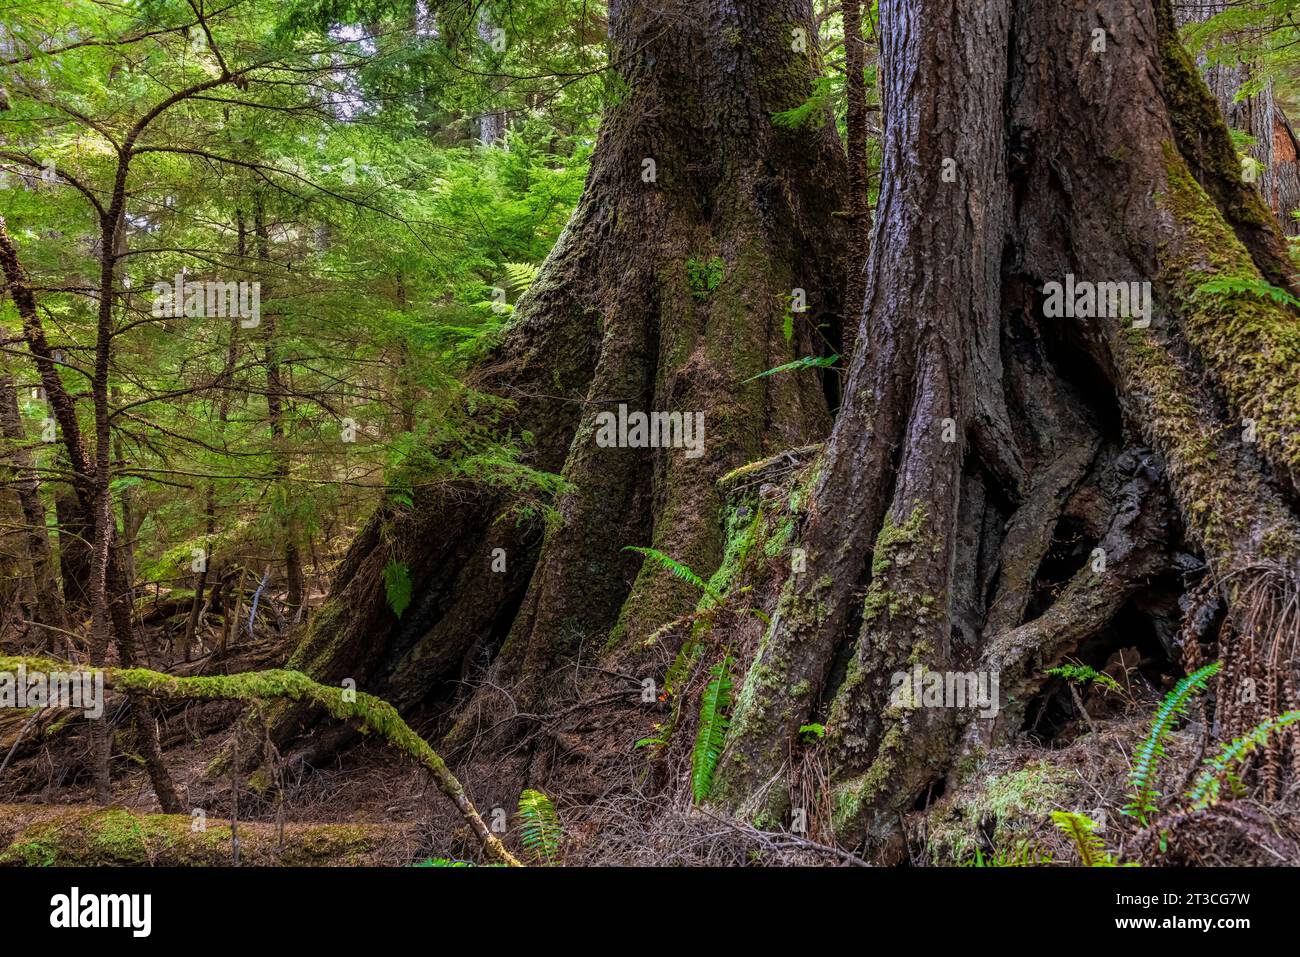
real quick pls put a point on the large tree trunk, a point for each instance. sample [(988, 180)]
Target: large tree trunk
[(668, 292), (979, 438)]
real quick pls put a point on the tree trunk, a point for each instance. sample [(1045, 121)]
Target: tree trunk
[(982, 433), (39, 587), (855, 63), (671, 288), (275, 411)]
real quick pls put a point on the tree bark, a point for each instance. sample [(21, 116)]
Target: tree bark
[(1136, 434), (855, 63), (668, 291)]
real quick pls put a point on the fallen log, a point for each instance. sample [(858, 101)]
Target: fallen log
[(61, 835), (370, 713)]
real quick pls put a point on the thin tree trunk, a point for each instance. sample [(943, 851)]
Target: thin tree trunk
[(275, 406), (39, 586)]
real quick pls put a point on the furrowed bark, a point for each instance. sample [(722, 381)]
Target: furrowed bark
[(1145, 186)]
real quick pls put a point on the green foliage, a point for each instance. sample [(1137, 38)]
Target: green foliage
[(808, 362), (814, 730), (352, 133), (712, 733), (521, 275), (1258, 288), (1220, 767), (676, 569), (540, 830), (703, 277), (1082, 830), (397, 586), (1023, 853), (442, 862), (1082, 674), (1146, 759), (813, 111)]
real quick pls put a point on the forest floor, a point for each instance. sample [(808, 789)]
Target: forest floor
[(999, 813), (619, 811)]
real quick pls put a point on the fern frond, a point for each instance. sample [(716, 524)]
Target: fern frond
[(1146, 759), (521, 275), (1082, 674), (807, 362), (676, 569), (1082, 830), (397, 586), (1258, 288), (540, 830), (1219, 768), (712, 734)]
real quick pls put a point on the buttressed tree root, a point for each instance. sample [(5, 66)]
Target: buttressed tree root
[(370, 713)]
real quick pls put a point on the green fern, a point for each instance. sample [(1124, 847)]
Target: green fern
[(1082, 674), (397, 586), (1023, 854), (443, 862), (714, 704), (540, 830), (1205, 789), (1082, 830), (807, 362), (1258, 288), (676, 569), (521, 275), (1146, 759)]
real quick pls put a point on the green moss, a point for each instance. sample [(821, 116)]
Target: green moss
[(1250, 344), (1011, 804), (120, 837), (852, 798)]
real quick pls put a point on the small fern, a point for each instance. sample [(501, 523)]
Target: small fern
[(1082, 674), (1082, 830), (1217, 769), (807, 362), (676, 569), (540, 830), (520, 275), (397, 586), (1023, 854), (714, 704), (1258, 288), (443, 862), (1146, 759)]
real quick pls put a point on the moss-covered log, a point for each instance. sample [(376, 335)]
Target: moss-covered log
[(51, 835), (371, 714)]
